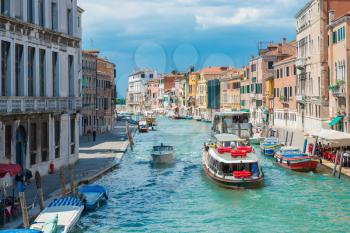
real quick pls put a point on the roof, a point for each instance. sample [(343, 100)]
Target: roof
[(228, 159), (333, 137), (232, 113), (227, 138), (214, 70)]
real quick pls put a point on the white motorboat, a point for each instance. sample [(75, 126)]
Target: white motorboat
[(162, 154)]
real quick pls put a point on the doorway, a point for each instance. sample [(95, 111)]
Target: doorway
[(21, 146)]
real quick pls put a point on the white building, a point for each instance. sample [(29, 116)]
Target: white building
[(135, 99), (40, 83)]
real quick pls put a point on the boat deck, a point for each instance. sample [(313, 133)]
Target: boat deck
[(227, 158)]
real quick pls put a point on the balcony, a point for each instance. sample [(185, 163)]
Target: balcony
[(300, 99), (26, 105), (338, 90), (300, 63)]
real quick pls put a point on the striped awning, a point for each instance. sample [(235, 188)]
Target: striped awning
[(66, 201)]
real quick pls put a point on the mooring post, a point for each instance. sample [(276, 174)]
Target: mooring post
[(314, 148), (341, 163), (23, 202), (72, 176), (335, 163), (39, 190), (291, 139), (63, 182)]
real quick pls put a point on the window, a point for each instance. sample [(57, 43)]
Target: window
[(334, 37), (71, 75), (44, 142), (278, 73), (18, 9), (290, 92), (18, 70), (287, 71), (253, 68), (30, 11), (270, 65), (5, 69), (42, 55), (41, 12), (54, 16), (281, 73), (69, 22), (274, 92), (8, 140), (31, 68), (5, 7), (55, 81), (33, 143)]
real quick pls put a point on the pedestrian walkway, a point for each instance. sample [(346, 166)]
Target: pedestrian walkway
[(95, 159)]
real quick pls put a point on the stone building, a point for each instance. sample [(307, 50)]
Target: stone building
[(312, 61), (40, 83), (230, 85), (339, 70), (106, 74), (89, 91), (245, 84)]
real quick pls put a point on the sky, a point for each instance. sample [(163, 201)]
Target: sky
[(172, 35)]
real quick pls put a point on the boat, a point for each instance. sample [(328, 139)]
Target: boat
[(231, 163), (20, 231), (294, 159), (94, 196), (270, 146), (162, 154), (232, 122), (143, 127), (67, 210), (188, 117), (256, 140)]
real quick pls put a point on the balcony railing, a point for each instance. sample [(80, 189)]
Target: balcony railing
[(300, 63), (300, 99), (338, 90), (12, 105)]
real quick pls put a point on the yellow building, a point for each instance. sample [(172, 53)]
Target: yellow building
[(192, 84)]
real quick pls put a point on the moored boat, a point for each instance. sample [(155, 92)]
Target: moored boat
[(162, 153), (294, 159), (143, 127), (270, 146), (231, 164), (67, 210), (94, 196)]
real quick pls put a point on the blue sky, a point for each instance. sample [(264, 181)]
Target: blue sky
[(174, 34)]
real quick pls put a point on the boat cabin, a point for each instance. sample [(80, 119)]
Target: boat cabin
[(232, 123)]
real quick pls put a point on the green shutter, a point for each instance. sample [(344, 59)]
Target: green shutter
[(334, 37)]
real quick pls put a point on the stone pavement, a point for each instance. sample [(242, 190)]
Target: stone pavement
[(95, 159)]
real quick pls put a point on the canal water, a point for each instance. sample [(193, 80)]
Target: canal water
[(180, 198)]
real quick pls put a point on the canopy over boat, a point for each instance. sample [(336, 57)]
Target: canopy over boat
[(332, 137), (228, 138), (228, 159)]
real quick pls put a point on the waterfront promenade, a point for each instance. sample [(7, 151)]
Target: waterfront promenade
[(95, 159)]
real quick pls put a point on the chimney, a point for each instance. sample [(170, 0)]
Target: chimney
[(331, 16)]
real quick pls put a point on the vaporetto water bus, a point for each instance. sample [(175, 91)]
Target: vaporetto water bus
[(231, 164)]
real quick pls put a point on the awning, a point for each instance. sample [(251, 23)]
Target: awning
[(245, 110), (333, 137), (335, 120), (12, 169)]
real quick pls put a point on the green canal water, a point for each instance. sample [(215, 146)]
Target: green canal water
[(180, 198)]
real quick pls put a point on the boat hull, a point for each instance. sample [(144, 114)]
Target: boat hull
[(143, 130), (268, 151), (234, 184), (163, 158), (301, 165)]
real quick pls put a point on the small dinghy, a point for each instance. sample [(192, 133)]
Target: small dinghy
[(63, 213), (162, 154), (94, 196)]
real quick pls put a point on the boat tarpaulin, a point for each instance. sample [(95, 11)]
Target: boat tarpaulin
[(12, 169), (335, 120)]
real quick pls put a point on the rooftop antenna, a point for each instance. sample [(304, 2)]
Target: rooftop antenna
[(263, 44)]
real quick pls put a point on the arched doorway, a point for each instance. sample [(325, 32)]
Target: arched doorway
[(21, 146)]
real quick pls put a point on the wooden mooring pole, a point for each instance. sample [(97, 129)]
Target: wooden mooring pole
[(23, 202), (63, 182), (335, 163), (72, 178), (128, 132), (39, 190), (341, 164)]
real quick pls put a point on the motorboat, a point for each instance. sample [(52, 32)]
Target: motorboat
[(270, 146), (143, 127), (65, 211), (94, 196), (231, 163), (163, 154), (294, 159), (256, 140)]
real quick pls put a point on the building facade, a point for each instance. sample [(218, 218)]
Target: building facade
[(40, 83), (339, 64), (136, 89), (105, 99), (312, 61), (89, 92)]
